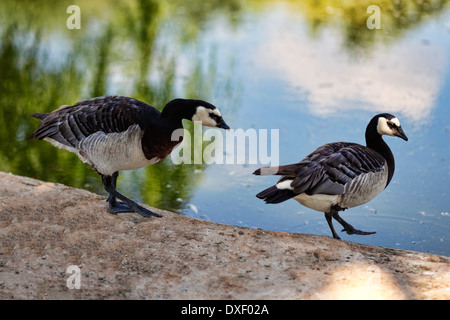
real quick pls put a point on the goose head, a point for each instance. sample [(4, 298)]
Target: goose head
[(209, 116), (387, 124), (197, 111)]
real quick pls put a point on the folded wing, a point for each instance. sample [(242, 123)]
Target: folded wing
[(71, 124), (329, 170)]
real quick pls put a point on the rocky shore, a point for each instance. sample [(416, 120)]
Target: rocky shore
[(48, 229)]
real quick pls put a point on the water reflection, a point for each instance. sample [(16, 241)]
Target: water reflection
[(42, 70), (350, 18), (379, 70), (395, 78), (297, 66)]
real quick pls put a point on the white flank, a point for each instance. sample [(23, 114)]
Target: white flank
[(68, 148), (319, 202), (286, 184)]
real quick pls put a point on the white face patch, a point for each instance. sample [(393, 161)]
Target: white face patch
[(383, 128), (216, 112), (202, 115), (395, 121)]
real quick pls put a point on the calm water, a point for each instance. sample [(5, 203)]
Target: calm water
[(314, 72)]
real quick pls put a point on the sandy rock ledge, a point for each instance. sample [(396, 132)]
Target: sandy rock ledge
[(47, 227)]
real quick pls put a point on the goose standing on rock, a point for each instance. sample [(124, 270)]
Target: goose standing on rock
[(120, 133), (340, 175)]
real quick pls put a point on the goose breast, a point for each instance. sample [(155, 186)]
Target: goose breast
[(116, 151)]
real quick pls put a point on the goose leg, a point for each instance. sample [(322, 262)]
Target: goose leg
[(114, 205), (328, 216), (126, 205), (347, 227)]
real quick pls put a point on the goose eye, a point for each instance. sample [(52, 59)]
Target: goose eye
[(391, 125), (214, 116)]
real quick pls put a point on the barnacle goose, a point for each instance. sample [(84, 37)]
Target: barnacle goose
[(117, 133), (340, 175)]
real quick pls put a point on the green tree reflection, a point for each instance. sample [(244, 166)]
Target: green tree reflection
[(32, 81), (132, 48)]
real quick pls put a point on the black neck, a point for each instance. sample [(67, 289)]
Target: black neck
[(375, 142), (175, 111), (173, 122)]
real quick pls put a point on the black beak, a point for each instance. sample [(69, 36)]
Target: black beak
[(401, 134), (222, 124)]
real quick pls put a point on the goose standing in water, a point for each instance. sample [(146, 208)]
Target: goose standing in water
[(120, 133), (340, 175)]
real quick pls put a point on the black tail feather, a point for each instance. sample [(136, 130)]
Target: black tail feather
[(31, 136), (39, 115), (275, 195), (289, 170), (257, 172)]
